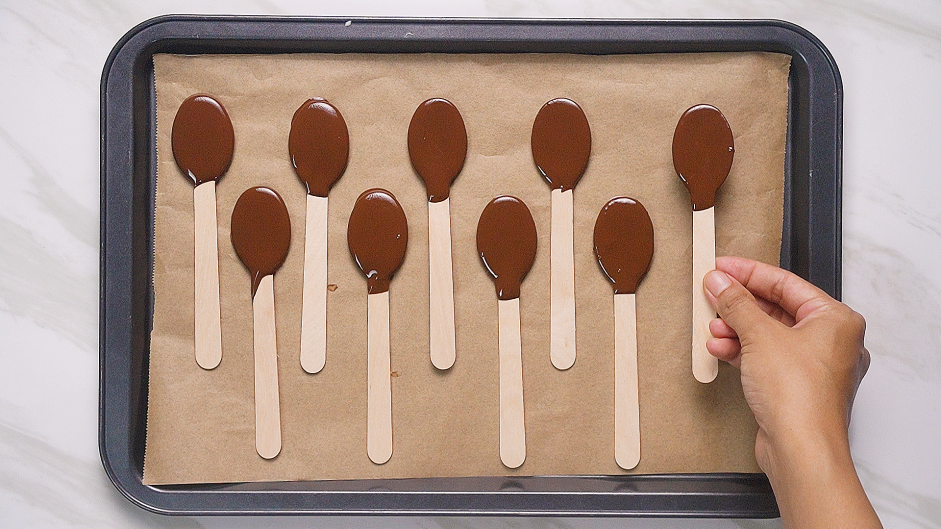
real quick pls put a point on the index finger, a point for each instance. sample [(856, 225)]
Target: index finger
[(795, 295)]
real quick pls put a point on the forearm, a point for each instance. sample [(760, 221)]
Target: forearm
[(816, 484), (802, 357)]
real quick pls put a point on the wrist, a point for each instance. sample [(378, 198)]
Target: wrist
[(814, 480), (806, 451)]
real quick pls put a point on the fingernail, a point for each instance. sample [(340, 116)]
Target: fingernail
[(716, 282)]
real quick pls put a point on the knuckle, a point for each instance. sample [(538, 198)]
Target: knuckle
[(865, 360), (865, 364), (777, 289), (855, 322), (859, 322)]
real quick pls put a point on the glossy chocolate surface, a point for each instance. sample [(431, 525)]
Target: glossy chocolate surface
[(506, 243), (319, 145), (561, 143), (624, 243), (261, 232), (437, 146), (377, 236), (702, 153), (202, 139)]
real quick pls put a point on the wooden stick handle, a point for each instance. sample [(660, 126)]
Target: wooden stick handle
[(379, 379), (314, 301), (267, 406), (626, 403), (441, 284), (705, 366), (208, 325), (562, 280), (512, 426)]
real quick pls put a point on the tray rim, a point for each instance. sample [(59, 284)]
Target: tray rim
[(673, 35)]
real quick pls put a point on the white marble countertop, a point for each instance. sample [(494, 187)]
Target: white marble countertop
[(51, 58)]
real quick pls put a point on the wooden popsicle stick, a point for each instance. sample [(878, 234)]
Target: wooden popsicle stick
[(512, 425), (705, 366), (314, 302), (626, 403), (208, 325), (379, 379), (441, 284), (267, 406), (562, 280)]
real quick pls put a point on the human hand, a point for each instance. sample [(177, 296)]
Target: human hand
[(802, 358), (800, 351)]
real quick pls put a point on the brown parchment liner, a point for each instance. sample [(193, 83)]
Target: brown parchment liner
[(201, 423)]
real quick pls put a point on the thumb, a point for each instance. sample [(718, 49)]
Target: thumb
[(735, 304)]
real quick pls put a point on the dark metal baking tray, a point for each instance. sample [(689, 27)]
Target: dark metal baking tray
[(811, 240)]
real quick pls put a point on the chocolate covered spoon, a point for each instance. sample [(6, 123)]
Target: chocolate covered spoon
[(261, 235), (561, 144), (702, 155), (437, 146), (319, 145), (506, 242), (624, 245), (203, 140), (377, 236)]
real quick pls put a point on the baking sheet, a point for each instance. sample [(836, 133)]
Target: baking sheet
[(201, 423)]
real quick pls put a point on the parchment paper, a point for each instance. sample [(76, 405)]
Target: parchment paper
[(201, 423)]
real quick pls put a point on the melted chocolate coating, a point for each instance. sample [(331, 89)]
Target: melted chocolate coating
[(202, 139), (377, 236), (319, 145), (506, 242), (261, 232), (437, 145), (561, 143), (624, 243), (702, 153)]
